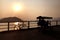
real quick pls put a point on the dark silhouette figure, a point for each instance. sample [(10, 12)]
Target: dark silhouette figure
[(44, 24)]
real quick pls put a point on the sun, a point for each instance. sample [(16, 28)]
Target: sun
[(17, 7)]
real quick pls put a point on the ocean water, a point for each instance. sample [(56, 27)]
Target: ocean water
[(4, 26)]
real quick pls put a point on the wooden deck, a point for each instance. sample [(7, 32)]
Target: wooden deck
[(30, 34)]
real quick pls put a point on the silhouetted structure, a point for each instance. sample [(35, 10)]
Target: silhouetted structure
[(43, 23)]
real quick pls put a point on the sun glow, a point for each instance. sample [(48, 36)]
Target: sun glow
[(17, 7), (16, 23)]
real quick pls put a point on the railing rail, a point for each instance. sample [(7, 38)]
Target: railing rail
[(28, 23)]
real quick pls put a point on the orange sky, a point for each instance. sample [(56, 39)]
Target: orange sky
[(30, 8)]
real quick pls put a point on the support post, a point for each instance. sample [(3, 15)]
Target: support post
[(28, 24), (50, 23), (8, 26), (22, 24), (56, 23), (51, 28)]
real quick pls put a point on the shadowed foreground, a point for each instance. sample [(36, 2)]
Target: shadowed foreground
[(31, 34)]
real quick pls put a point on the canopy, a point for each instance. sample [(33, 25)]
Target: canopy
[(42, 17)]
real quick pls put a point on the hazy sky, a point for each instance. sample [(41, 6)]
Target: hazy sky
[(31, 8)]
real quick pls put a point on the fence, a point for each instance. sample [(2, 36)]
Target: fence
[(23, 25)]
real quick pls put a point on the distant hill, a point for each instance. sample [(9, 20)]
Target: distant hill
[(11, 19)]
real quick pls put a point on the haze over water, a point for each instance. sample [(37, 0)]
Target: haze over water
[(29, 9)]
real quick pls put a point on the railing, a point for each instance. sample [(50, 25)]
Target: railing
[(25, 25)]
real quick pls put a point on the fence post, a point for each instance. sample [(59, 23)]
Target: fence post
[(23, 24), (56, 23), (28, 24), (51, 28), (50, 23), (8, 26)]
